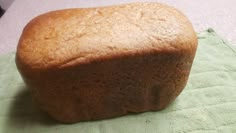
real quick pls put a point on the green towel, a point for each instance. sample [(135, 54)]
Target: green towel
[(207, 104)]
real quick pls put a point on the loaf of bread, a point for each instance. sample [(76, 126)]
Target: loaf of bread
[(97, 63)]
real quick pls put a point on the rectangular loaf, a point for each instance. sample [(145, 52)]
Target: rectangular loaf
[(97, 63)]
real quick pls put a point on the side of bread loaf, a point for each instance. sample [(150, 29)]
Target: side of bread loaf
[(96, 63)]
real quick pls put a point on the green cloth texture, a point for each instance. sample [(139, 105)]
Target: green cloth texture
[(207, 104)]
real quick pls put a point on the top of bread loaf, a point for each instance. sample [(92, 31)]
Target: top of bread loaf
[(72, 36)]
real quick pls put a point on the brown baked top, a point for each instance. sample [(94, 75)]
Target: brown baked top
[(76, 36)]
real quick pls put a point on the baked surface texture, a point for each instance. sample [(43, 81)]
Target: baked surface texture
[(97, 63)]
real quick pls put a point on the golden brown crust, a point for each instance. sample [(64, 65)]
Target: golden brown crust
[(97, 63), (63, 37)]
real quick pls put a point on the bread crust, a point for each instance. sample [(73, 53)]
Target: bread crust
[(96, 63)]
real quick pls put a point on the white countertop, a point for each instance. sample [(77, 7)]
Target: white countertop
[(219, 15)]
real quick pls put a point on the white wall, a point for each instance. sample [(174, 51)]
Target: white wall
[(6, 3)]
